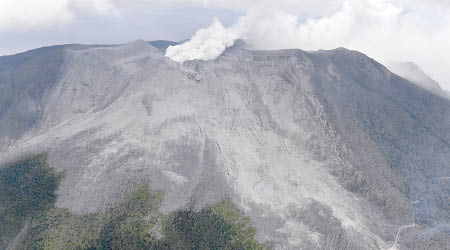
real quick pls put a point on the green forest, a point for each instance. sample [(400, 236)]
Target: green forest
[(30, 220)]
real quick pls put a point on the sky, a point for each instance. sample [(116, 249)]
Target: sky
[(386, 30)]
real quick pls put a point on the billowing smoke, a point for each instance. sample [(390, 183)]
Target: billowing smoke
[(207, 43), (387, 30)]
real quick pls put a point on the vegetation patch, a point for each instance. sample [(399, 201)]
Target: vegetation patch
[(221, 226), (27, 189), (27, 193), (128, 225)]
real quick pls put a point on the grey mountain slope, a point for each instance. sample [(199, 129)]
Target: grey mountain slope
[(324, 150), (162, 44), (415, 74), (410, 128), (24, 79)]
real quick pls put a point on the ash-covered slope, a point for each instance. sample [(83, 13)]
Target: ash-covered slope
[(324, 150)]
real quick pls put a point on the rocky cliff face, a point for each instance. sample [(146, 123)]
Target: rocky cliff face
[(324, 150)]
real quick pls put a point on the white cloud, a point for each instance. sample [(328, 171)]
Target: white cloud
[(29, 14), (22, 14), (97, 7), (17, 15), (25, 13)]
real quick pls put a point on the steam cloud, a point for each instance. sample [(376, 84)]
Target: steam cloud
[(207, 44), (383, 29)]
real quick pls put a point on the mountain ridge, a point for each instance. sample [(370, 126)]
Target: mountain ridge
[(415, 74), (322, 149)]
